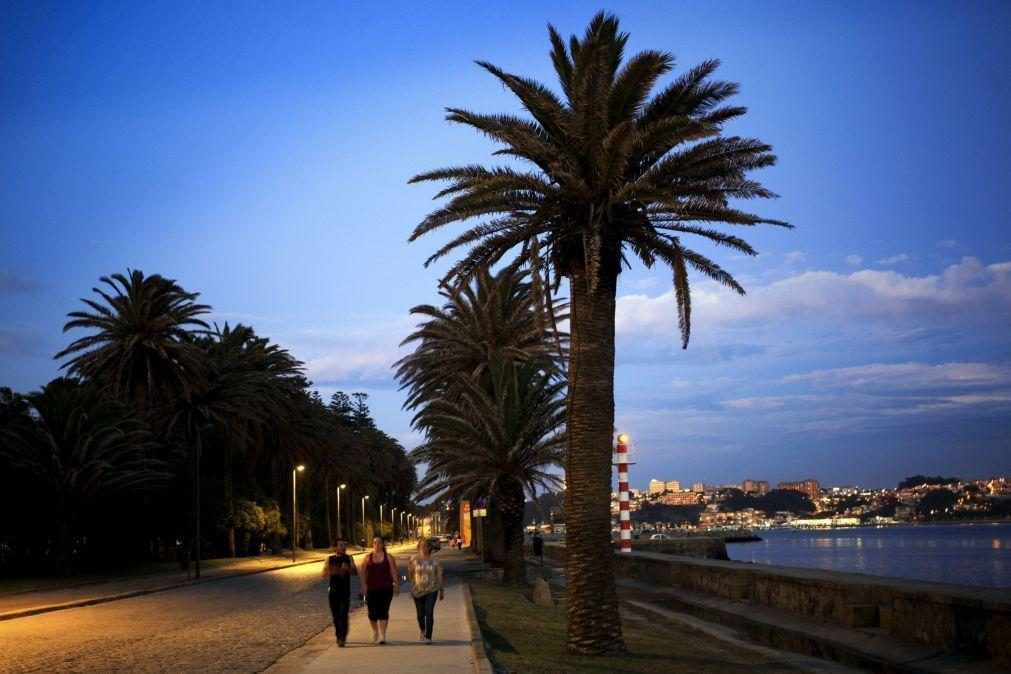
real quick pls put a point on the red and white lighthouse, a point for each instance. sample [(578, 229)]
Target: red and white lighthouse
[(625, 522)]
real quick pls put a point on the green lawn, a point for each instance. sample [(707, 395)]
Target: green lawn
[(528, 638)]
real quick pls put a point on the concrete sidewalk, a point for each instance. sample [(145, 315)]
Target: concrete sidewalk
[(450, 652)]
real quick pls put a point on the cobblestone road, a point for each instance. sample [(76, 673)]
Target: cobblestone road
[(237, 625)]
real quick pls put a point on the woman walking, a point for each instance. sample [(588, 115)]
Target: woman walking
[(425, 574), (379, 577)]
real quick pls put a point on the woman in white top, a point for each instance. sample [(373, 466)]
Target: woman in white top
[(425, 574)]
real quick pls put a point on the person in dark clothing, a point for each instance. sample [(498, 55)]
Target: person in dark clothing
[(338, 568), (539, 546)]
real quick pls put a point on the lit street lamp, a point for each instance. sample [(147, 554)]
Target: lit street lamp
[(294, 510), (393, 524), (364, 498), (381, 506), (340, 526)]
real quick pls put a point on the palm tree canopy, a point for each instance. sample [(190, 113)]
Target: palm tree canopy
[(143, 340), (81, 447), (511, 431), (604, 169), (493, 314)]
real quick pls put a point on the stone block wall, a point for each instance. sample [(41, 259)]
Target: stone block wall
[(970, 620)]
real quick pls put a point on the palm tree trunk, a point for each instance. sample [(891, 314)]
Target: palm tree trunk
[(229, 489), (510, 502), (592, 601)]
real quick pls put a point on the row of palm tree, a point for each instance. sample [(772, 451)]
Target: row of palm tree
[(194, 425), (487, 387), (601, 172)]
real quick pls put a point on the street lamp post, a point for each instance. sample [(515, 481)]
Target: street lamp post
[(402, 513), (364, 498), (340, 526), (393, 524), (381, 506), (294, 509)]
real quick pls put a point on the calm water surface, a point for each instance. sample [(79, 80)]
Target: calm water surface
[(966, 554)]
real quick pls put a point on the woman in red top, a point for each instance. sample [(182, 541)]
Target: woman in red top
[(378, 574)]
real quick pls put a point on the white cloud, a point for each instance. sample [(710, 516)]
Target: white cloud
[(968, 290), (854, 260), (795, 256), (351, 364), (907, 376), (901, 257), (946, 243)]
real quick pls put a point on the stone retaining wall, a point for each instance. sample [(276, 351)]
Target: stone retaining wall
[(699, 547), (970, 620)]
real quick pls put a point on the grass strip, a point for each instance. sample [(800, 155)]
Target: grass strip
[(525, 637)]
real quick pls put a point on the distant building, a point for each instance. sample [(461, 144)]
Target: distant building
[(763, 487), (698, 487), (657, 486), (809, 486), (679, 498), (749, 486), (673, 485)]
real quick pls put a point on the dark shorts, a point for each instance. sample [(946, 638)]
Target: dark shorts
[(378, 602)]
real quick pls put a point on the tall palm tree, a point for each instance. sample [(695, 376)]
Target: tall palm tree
[(499, 440), (80, 450), (602, 172), (142, 347)]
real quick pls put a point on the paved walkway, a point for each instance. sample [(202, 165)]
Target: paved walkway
[(450, 651), (31, 602)]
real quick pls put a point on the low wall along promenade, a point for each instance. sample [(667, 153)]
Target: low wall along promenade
[(970, 620)]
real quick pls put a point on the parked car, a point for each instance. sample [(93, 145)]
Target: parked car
[(434, 544), (659, 537)]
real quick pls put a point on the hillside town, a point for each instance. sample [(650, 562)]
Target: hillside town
[(668, 505)]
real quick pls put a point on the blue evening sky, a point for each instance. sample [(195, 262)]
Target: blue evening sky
[(259, 155)]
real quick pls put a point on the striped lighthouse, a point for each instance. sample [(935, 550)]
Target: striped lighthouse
[(621, 459)]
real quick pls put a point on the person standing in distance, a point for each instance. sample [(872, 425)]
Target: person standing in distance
[(425, 574), (379, 577), (338, 568)]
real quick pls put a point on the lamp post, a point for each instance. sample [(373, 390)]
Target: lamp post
[(340, 526), (393, 523), (364, 498), (402, 513), (381, 506), (294, 509)]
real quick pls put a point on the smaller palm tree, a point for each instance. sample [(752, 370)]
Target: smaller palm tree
[(501, 441), (81, 451)]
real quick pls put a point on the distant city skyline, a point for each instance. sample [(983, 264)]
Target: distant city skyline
[(260, 157)]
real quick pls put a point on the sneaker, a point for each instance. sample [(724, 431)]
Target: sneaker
[(375, 636), (428, 640), (421, 636), (382, 639), (340, 643)]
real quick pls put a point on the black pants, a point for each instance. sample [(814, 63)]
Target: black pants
[(340, 604), (425, 606)]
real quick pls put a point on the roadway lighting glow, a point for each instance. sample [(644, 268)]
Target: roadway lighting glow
[(622, 438), (300, 468), (343, 486)]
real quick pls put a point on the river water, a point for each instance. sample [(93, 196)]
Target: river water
[(965, 554)]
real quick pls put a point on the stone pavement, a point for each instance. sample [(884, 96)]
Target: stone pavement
[(450, 652)]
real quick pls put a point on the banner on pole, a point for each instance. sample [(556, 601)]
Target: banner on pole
[(465, 522)]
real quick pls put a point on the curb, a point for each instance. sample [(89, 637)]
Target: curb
[(482, 665), (91, 601)]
